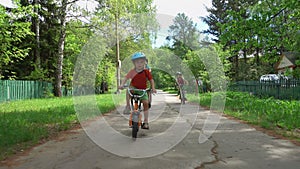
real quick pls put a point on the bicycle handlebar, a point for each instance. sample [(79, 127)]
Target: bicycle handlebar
[(133, 89)]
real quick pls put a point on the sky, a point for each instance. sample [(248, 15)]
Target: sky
[(192, 8), (168, 9)]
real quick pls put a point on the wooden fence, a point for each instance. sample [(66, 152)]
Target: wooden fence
[(21, 89), (283, 89)]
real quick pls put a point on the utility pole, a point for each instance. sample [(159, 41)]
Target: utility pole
[(118, 54)]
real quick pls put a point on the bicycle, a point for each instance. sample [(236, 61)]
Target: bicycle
[(135, 117), (182, 94)]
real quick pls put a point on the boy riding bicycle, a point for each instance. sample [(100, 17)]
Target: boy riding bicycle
[(180, 83), (139, 77)]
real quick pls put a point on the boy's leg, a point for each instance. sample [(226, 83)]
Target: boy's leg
[(145, 124), (127, 108), (127, 99), (146, 110), (149, 98)]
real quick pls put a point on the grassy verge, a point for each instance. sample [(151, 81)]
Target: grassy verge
[(278, 115), (27, 122), (171, 91)]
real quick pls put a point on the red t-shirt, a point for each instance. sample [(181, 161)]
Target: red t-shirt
[(139, 80), (180, 81)]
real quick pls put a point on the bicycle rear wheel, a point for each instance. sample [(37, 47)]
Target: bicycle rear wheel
[(182, 97)]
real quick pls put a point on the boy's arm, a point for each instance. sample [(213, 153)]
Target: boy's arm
[(123, 83), (186, 82), (152, 86)]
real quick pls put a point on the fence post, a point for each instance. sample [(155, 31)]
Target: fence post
[(8, 93), (278, 90)]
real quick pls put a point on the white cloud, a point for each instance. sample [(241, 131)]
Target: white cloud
[(8, 4)]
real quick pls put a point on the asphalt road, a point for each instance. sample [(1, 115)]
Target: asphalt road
[(172, 142)]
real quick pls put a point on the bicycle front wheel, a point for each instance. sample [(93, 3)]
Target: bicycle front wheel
[(135, 129)]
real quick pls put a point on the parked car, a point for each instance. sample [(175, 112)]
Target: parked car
[(276, 78), (270, 78)]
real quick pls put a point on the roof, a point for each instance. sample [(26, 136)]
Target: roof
[(288, 59), (292, 56)]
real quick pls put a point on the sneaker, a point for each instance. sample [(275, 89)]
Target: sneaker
[(126, 111), (145, 126)]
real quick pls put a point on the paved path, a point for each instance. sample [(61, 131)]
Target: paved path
[(233, 145)]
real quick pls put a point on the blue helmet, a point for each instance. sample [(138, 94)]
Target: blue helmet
[(138, 55)]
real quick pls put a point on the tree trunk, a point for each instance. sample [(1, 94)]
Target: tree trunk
[(257, 53), (257, 56), (61, 45), (37, 35), (236, 66), (245, 52), (245, 56)]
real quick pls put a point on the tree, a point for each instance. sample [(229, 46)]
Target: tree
[(13, 31), (267, 28), (217, 15), (61, 45), (51, 24), (36, 24), (119, 16), (61, 15), (279, 22), (296, 72), (184, 35), (77, 35)]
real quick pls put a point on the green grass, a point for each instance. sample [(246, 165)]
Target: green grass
[(27, 122), (268, 113), (170, 90)]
